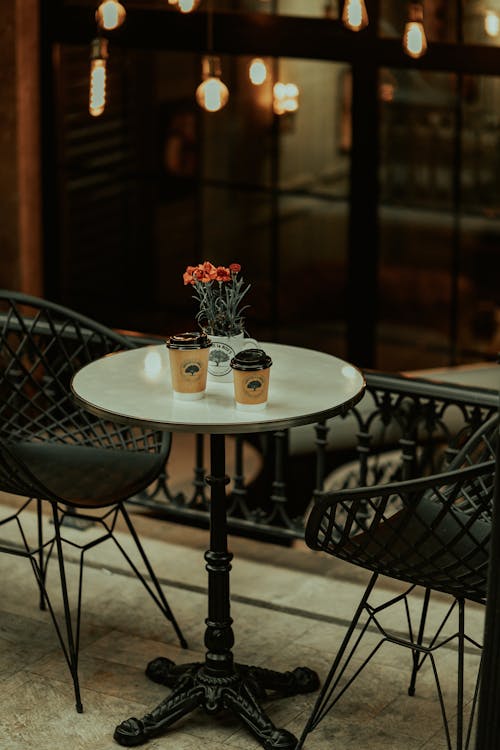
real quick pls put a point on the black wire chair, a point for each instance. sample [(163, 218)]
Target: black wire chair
[(431, 532), (52, 450)]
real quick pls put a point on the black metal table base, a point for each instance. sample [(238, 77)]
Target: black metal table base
[(218, 683), (197, 686)]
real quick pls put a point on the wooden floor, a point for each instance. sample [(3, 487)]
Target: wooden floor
[(290, 608)]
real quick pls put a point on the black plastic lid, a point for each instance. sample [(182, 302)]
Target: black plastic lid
[(251, 359), (189, 340)]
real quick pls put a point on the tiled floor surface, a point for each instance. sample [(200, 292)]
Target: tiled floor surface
[(289, 606)]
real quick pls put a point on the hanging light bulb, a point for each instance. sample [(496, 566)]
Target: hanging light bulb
[(355, 15), (110, 14), (97, 89), (414, 39), (491, 23), (186, 6), (285, 98), (257, 71), (212, 94)]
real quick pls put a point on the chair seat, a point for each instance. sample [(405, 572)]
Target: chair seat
[(426, 546), (88, 476)]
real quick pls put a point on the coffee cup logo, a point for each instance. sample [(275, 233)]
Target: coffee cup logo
[(254, 385), (191, 369)]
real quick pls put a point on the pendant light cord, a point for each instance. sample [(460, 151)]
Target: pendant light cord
[(210, 27)]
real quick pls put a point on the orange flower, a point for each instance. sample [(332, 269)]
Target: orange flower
[(188, 275), (235, 267), (198, 273), (223, 274), (209, 271)]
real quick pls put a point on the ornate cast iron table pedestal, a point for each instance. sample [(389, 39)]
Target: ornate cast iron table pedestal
[(218, 683)]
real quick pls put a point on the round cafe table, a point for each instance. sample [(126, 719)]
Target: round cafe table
[(134, 387)]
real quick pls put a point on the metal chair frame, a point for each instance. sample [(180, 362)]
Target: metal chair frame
[(41, 345), (334, 688), (431, 532)]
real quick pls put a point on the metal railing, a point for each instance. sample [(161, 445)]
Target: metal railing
[(415, 423)]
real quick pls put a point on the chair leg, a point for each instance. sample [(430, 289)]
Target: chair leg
[(460, 676), (160, 600), (41, 584), (461, 741), (420, 638), (474, 704), (325, 690), (72, 652)]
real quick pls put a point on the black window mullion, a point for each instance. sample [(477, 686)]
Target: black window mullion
[(363, 250)]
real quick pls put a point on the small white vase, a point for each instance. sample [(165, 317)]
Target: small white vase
[(221, 353)]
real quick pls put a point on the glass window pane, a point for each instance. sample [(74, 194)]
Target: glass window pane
[(275, 192), (416, 219), (439, 219), (312, 273), (479, 263)]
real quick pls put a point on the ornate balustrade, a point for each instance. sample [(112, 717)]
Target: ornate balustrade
[(401, 426)]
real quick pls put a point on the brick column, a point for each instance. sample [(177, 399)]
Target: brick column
[(20, 206)]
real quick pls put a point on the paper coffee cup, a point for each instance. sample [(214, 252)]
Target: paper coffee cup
[(251, 370), (188, 353)]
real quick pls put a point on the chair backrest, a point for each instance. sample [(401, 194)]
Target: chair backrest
[(432, 531), (480, 446), (42, 345)]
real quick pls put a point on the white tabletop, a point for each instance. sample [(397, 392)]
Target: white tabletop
[(134, 387)]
